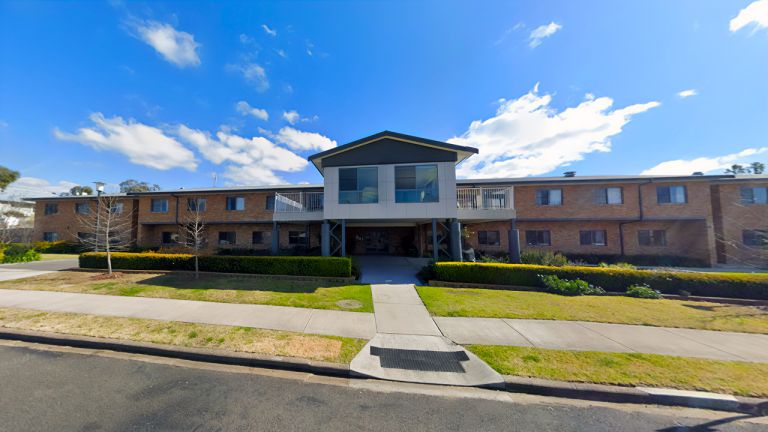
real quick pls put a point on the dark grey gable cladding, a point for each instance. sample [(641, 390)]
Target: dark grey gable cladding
[(389, 151)]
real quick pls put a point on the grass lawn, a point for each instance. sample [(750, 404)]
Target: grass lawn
[(209, 287), (243, 339), (470, 302), (649, 370), (50, 257)]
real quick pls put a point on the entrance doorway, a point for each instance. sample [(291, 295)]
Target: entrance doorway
[(376, 242), (381, 240)]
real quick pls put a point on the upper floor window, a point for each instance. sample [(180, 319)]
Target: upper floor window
[(416, 184), (270, 205), (358, 185), (592, 238), (235, 203), (159, 206), (488, 238), (549, 197), (755, 237), (51, 209), (610, 195), (754, 195), (538, 238), (82, 208), (117, 208), (196, 204), (50, 236), (652, 237), (671, 195)]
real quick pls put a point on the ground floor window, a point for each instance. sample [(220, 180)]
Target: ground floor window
[(170, 237), (592, 238), (226, 238), (489, 238), (756, 238), (538, 238), (297, 238), (652, 237), (50, 236), (257, 237)]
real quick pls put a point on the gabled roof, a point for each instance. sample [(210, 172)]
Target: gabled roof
[(461, 151)]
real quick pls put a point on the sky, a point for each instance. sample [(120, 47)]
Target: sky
[(192, 94)]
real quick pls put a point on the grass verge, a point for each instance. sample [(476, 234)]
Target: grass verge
[(471, 302), (628, 369), (243, 339), (209, 287)]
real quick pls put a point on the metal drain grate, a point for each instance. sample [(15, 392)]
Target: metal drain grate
[(420, 360)]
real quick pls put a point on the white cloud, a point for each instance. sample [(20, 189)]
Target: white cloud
[(542, 32), (254, 74), (177, 47), (301, 141), (688, 93), (245, 109), (281, 53), (291, 116), (528, 137), (755, 14), (268, 30), (144, 145), (704, 164), (33, 187)]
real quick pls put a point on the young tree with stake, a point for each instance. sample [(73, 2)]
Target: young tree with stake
[(106, 226), (193, 227)]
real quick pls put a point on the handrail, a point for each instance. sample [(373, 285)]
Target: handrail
[(298, 202), (484, 198)]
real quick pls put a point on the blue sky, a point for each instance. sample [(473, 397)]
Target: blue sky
[(171, 93)]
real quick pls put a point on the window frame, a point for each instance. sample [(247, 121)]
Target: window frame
[(85, 205), (592, 241), (755, 234), (357, 190), (652, 235), (51, 209), (293, 235), (540, 198), (416, 167), (483, 239), (670, 195), (269, 202), (751, 199), (602, 197), (237, 200), (54, 236), (546, 235), (158, 200), (260, 236), (219, 239), (193, 204)]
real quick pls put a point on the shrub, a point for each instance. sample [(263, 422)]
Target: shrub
[(58, 247), (640, 260), (543, 258), (643, 291), (749, 286), (623, 265), (17, 252), (576, 287), (427, 273), (273, 265)]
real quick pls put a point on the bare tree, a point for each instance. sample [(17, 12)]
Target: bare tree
[(193, 228), (106, 227)]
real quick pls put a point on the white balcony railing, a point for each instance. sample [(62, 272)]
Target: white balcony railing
[(298, 202), (484, 198)]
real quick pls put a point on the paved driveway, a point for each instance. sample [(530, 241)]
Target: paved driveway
[(382, 269), (35, 268)]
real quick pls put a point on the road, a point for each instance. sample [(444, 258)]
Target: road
[(46, 388)]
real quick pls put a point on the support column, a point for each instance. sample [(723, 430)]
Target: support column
[(325, 238), (434, 239), (275, 238), (343, 237), (456, 240), (514, 244)]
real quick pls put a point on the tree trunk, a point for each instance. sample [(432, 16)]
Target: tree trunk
[(197, 275), (109, 262)]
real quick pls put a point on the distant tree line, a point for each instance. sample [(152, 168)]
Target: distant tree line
[(753, 168)]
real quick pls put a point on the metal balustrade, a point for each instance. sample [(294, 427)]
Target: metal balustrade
[(298, 202), (484, 198)]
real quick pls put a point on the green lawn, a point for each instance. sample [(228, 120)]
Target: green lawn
[(50, 257), (470, 302), (243, 339), (650, 370), (209, 287)]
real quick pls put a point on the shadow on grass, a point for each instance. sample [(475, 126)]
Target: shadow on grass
[(229, 282)]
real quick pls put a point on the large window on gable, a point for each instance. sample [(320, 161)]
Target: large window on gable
[(416, 184), (359, 185)]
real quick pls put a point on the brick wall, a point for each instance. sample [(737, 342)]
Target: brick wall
[(737, 217), (65, 222)]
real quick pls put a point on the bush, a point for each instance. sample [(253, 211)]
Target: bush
[(643, 291), (623, 265), (749, 286), (58, 247), (576, 287), (16, 253), (640, 260), (273, 265), (543, 258)]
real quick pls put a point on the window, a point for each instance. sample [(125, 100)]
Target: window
[(416, 184), (488, 238), (757, 238), (50, 236), (671, 195), (538, 238), (297, 238), (117, 208), (652, 237), (358, 185), (611, 195), (169, 237), (271, 202), (226, 238), (84, 236), (82, 208), (549, 197), (236, 203), (754, 195), (196, 204), (51, 209), (159, 206), (257, 237), (592, 238)]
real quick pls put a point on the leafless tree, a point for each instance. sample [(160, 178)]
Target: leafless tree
[(193, 228), (106, 226)]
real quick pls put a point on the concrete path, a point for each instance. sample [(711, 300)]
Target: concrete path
[(315, 321), (35, 268), (589, 336)]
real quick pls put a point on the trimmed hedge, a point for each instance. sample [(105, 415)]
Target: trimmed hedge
[(745, 286), (270, 265)]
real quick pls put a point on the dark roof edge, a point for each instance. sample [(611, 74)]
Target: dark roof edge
[(587, 179)]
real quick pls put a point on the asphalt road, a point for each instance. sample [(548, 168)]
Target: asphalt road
[(68, 391)]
